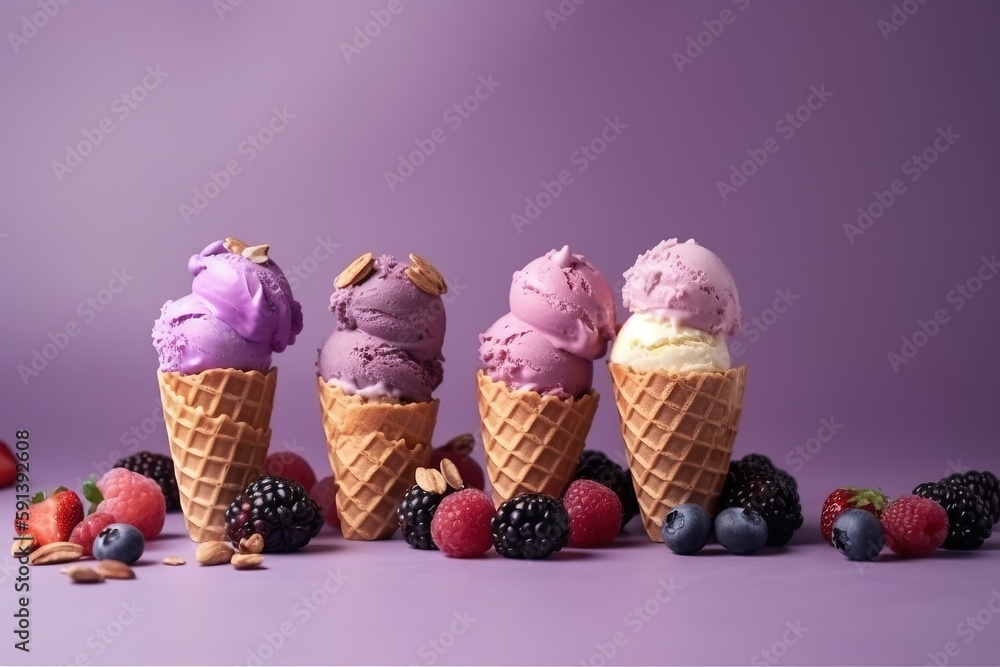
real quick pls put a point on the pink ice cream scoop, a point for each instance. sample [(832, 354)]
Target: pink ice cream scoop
[(687, 283), (564, 298), (240, 311), (388, 336), (561, 319)]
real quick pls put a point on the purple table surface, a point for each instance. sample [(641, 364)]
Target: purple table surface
[(342, 602)]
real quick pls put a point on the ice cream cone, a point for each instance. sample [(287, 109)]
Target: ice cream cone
[(374, 448), (244, 396), (533, 441), (373, 474), (679, 432), (214, 460)]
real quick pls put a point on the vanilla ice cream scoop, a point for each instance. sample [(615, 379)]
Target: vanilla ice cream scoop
[(647, 341)]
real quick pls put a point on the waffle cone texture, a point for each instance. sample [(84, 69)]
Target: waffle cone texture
[(533, 441), (218, 425), (375, 449), (679, 431)]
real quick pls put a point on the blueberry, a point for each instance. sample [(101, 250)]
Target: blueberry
[(119, 541), (686, 529), (740, 530), (858, 534)]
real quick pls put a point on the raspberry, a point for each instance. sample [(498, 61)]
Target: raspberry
[(595, 513), (131, 498), (290, 466), (86, 531), (461, 525), (324, 492), (914, 526)]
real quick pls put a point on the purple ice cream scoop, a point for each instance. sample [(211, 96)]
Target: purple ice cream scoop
[(687, 283), (388, 336), (240, 312), (562, 317)]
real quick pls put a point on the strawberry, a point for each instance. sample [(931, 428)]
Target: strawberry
[(51, 519), (849, 497), (8, 465)]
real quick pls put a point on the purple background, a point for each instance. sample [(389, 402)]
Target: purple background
[(321, 183)]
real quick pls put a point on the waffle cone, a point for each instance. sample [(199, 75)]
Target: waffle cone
[(215, 457), (244, 396), (679, 432), (373, 474), (375, 449), (533, 441)]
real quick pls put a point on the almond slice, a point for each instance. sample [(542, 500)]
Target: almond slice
[(247, 561), (114, 569), (431, 480), (234, 245), (423, 274), (84, 575), (22, 545), (257, 254), (56, 552), (450, 473), (356, 271), (252, 545), (214, 553), (174, 560)]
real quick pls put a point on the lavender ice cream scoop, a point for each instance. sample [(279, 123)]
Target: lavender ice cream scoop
[(388, 336), (561, 319), (239, 312)]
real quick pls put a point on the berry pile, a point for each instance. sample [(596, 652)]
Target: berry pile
[(160, 469), (598, 466), (755, 483)]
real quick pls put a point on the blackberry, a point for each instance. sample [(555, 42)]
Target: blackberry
[(279, 510), (414, 514), (745, 467), (530, 526), (985, 484), (158, 468), (772, 496), (599, 467), (969, 519)]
